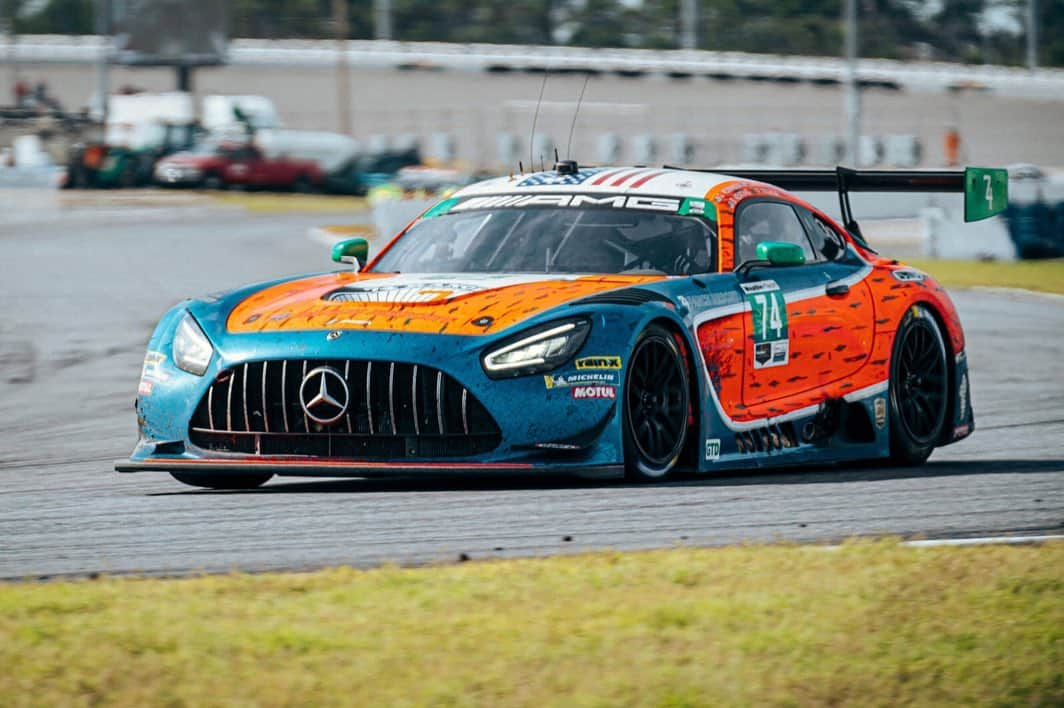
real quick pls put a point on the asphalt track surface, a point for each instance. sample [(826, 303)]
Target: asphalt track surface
[(80, 293)]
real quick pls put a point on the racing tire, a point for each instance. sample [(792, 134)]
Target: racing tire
[(222, 481), (919, 388), (655, 409)]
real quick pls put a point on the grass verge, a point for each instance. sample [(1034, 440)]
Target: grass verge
[(1044, 276), (870, 624), (275, 203)]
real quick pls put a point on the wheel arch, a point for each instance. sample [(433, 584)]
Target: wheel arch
[(935, 308), (689, 459)]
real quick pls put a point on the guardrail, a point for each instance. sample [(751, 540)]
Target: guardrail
[(1003, 80)]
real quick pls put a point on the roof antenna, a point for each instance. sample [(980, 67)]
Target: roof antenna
[(569, 145), (535, 117)]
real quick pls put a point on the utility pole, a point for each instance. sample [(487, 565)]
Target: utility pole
[(343, 83), (688, 24), (382, 19), (851, 90), (103, 68), (1032, 34), (7, 31)]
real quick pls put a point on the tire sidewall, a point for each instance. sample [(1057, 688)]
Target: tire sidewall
[(637, 467), (904, 449)]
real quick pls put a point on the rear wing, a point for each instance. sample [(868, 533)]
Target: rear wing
[(986, 190)]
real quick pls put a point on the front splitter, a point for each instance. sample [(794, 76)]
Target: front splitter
[(355, 468)]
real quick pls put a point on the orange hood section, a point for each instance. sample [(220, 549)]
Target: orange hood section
[(382, 302)]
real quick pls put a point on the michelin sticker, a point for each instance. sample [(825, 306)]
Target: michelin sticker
[(712, 449), (771, 344), (567, 380), (598, 362)]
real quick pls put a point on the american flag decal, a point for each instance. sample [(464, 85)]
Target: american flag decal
[(547, 179)]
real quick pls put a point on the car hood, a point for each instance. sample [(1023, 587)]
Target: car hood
[(447, 303), (187, 158)]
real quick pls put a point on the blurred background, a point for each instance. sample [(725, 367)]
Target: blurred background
[(347, 96)]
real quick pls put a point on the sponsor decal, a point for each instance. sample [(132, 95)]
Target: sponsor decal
[(908, 275), (426, 288), (566, 380), (769, 323), (584, 393), (712, 449), (962, 398), (151, 373), (510, 201), (880, 408), (335, 334), (598, 362), (706, 301), (759, 286), (697, 207)]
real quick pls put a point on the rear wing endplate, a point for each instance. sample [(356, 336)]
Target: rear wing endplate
[(986, 190)]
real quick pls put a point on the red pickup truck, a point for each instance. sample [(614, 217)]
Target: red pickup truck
[(218, 165)]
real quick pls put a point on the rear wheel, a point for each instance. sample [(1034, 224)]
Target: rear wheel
[(213, 180), (222, 481), (656, 406), (919, 388)]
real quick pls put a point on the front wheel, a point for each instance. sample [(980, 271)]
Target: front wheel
[(919, 388), (656, 406), (222, 481)]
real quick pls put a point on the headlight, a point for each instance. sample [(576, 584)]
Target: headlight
[(540, 349), (192, 350)]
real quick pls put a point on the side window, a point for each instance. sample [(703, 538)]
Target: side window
[(768, 221), (827, 242)]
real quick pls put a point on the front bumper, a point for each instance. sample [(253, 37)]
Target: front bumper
[(314, 467)]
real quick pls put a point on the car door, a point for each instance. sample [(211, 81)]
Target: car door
[(808, 325)]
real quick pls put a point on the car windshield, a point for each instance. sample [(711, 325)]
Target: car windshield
[(553, 240)]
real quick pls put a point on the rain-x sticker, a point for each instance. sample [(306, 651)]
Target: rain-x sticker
[(598, 362), (769, 310)]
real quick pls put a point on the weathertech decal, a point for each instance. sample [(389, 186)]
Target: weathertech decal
[(583, 393), (598, 362)]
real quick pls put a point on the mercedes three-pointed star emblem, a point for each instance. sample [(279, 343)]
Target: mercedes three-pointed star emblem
[(324, 395)]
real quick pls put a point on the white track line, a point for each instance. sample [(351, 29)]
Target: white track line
[(985, 541)]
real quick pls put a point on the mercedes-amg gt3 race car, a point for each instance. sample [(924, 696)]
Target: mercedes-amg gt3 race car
[(604, 322)]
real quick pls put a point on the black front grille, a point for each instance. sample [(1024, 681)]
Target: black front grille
[(395, 411)]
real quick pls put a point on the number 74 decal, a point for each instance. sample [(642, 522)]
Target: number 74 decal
[(769, 323)]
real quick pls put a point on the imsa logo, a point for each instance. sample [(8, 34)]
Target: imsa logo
[(598, 362)]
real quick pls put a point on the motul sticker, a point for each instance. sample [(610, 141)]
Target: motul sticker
[(584, 393)]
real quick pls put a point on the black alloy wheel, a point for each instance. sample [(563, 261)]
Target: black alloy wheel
[(919, 387), (223, 481), (656, 406)]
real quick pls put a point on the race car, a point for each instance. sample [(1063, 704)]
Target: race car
[(606, 322)]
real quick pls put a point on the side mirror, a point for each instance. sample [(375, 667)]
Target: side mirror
[(778, 253), (352, 250), (771, 254)]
